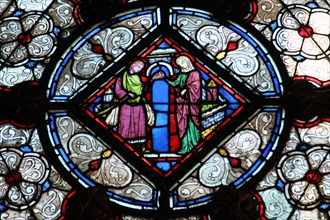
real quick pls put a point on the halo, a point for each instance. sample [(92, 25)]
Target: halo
[(190, 57)]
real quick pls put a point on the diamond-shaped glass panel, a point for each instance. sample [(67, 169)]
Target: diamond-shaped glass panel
[(168, 117)]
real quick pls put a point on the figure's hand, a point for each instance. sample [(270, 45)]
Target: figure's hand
[(183, 92), (132, 95)]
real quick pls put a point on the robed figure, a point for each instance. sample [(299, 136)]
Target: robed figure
[(187, 87), (134, 113)]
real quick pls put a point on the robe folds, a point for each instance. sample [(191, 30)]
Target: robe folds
[(132, 114), (188, 96)]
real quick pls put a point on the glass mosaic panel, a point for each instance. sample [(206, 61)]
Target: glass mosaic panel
[(170, 113), (244, 138)]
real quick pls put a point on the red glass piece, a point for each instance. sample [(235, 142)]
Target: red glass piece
[(24, 38), (97, 48), (144, 79), (313, 176), (13, 178), (95, 165), (175, 142), (235, 162), (233, 45), (305, 31)]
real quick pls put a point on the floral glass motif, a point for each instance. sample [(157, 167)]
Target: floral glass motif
[(30, 186), (22, 177), (22, 44), (29, 34), (304, 174), (298, 187), (301, 31)]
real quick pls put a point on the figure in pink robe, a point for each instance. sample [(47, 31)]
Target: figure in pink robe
[(132, 114), (188, 96)]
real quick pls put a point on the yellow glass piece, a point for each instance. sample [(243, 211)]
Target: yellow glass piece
[(223, 152), (209, 130), (106, 154), (108, 57), (212, 84), (109, 91), (221, 55)]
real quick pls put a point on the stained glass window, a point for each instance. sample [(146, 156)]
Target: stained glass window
[(169, 110)]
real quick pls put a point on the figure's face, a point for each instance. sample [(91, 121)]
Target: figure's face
[(136, 67), (182, 62)]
